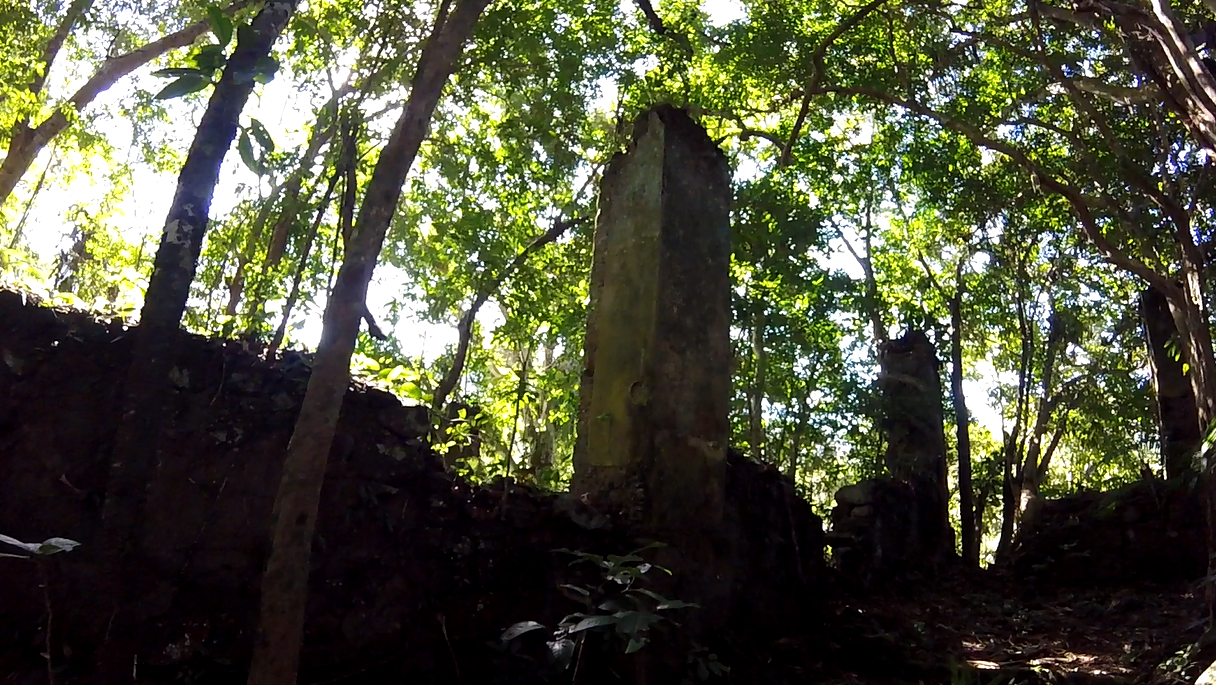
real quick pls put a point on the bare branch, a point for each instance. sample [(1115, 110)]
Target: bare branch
[(817, 69)]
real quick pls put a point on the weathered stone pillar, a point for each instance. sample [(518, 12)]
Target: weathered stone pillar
[(1177, 416), (900, 522), (916, 437), (655, 392)]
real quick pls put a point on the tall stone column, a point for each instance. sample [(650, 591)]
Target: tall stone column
[(655, 391), (916, 437)]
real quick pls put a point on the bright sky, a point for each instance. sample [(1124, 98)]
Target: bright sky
[(285, 113)]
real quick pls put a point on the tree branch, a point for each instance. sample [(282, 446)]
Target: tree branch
[(1069, 192), (817, 69), (465, 327)]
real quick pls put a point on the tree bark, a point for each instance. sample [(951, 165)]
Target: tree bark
[(962, 428), (26, 142), (75, 12), (962, 418), (294, 294), (1177, 416), (135, 444), (799, 436), (276, 652), (756, 399)]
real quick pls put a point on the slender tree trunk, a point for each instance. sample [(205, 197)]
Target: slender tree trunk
[(1031, 476), (799, 437), (302, 266), (873, 299), (756, 401), (75, 12), (490, 286), (26, 142), (962, 427), (19, 231), (276, 653), (1010, 492), (520, 389), (135, 445)]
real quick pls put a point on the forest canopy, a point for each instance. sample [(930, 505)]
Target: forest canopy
[(1008, 176)]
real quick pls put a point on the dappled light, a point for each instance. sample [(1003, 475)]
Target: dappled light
[(607, 341)]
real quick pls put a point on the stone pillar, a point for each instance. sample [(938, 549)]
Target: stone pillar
[(900, 522), (655, 391), (916, 437), (1177, 416)]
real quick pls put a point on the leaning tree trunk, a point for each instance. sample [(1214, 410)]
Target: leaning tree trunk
[(25, 142), (464, 329), (962, 428), (135, 443), (276, 654), (755, 437), (1177, 416), (301, 266)]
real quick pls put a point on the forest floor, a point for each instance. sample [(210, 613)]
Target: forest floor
[(990, 628)]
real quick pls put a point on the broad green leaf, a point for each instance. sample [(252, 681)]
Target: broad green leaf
[(176, 72), (261, 135), (221, 24), (210, 58), (245, 148), (593, 622), (519, 629), (190, 83)]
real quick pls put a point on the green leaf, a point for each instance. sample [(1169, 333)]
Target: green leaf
[(210, 58), (45, 548), (261, 135), (593, 622), (519, 629), (265, 69), (245, 149), (190, 83), (221, 24), (175, 72)]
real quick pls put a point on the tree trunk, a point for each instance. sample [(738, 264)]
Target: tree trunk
[(756, 401), (464, 329), (19, 231), (74, 14), (26, 142), (290, 190), (1177, 416), (301, 267), (276, 651), (1010, 493), (135, 444), (962, 428), (799, 436)]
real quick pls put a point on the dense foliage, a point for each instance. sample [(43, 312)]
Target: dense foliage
[(888, 157)]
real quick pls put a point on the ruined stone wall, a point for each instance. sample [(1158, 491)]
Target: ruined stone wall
[(401, 543), (1148, 531)]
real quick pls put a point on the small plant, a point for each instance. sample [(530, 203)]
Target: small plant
[(616, 608), (37, 552), (704, 664)]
